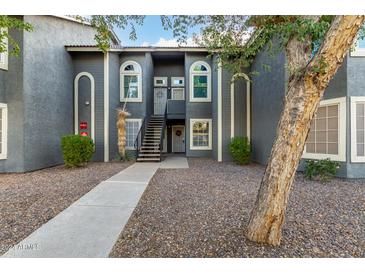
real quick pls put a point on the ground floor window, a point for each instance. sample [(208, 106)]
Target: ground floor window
[(357, 129), (3, 130), (200, 134), (327, 135), (132, 129)]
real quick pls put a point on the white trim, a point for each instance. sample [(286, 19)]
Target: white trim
[(248, 103), (192, 121), (106, 107), (200, 73), (4, 128), (341, 156), (172, 94), (76, 102), (137, 49), (156, 78), (173, 139), (354, 157), (219, 114), (139, 126), (137, 73), (4, 56)]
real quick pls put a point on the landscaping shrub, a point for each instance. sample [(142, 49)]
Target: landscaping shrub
[(240, 149), (77, 150), (322, 170)]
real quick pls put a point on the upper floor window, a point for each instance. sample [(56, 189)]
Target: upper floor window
[(3, 130), (130, 82), (359, 48), (327, 135), (4, 51), (200, 83)]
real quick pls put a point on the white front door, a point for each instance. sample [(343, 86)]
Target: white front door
[(178, 138), (159, 99)]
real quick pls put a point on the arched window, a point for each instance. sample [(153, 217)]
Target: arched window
[(130, 82), (200, 83)]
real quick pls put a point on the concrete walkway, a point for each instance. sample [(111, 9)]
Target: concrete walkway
[(91, 225)]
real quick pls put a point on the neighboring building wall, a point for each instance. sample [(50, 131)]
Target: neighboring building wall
[(195, 109), (48, 87), (11, 93)]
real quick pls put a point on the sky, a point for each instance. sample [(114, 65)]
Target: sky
[(150, 34)]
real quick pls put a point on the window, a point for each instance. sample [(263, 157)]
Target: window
[(200, 86), (357, 129), (177, 81), (132, 128), (200, 134), (160, 81), (327, 135), (131, 82), (177, 94), (4, 54), (3, 130)]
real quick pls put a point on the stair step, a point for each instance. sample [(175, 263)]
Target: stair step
[(149, 154), (148, 159)]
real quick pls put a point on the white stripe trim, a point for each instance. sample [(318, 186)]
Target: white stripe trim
[(232, 108), (76, 102), (220, 112), (106, 107)]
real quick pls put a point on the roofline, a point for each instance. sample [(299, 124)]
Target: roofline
[(137, 49), (85, 22)]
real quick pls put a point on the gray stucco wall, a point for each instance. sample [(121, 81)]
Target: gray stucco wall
[(195, 109), (48, 87), (268, 89), (114, 101), (11, 93)]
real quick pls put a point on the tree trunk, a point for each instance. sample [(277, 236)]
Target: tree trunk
[(301, 101), (122, 136)]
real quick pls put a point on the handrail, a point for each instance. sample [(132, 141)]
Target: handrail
[(140, 136), (162, 133)]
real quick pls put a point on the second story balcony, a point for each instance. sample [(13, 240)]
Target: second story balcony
[(175, 109)]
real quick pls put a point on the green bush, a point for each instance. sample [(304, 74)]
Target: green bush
[(322, 170), (77, 150), (240, 149)]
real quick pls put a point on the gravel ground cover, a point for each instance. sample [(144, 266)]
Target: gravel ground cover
[(203, 213), (28, 200)]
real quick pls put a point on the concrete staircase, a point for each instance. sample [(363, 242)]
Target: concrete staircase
[(150, 150)]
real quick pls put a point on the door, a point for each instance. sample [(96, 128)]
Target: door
[(159, 99), (178, 138)]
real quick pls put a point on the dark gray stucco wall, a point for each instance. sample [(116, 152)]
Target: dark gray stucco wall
[(195, 109), (268, 89), (48, 87), (93, 62), (114, 104), (149, 72), (11, 93), (355, 87), (240, 107)]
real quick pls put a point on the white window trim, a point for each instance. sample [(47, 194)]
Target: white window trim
[(4, 56), (341, 156), (192, 121), (164, 79), (200, 73), (177, 78), (139, 78), (139, 126), (4, 141), (172, 93), (92, 104), (354, 157)]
